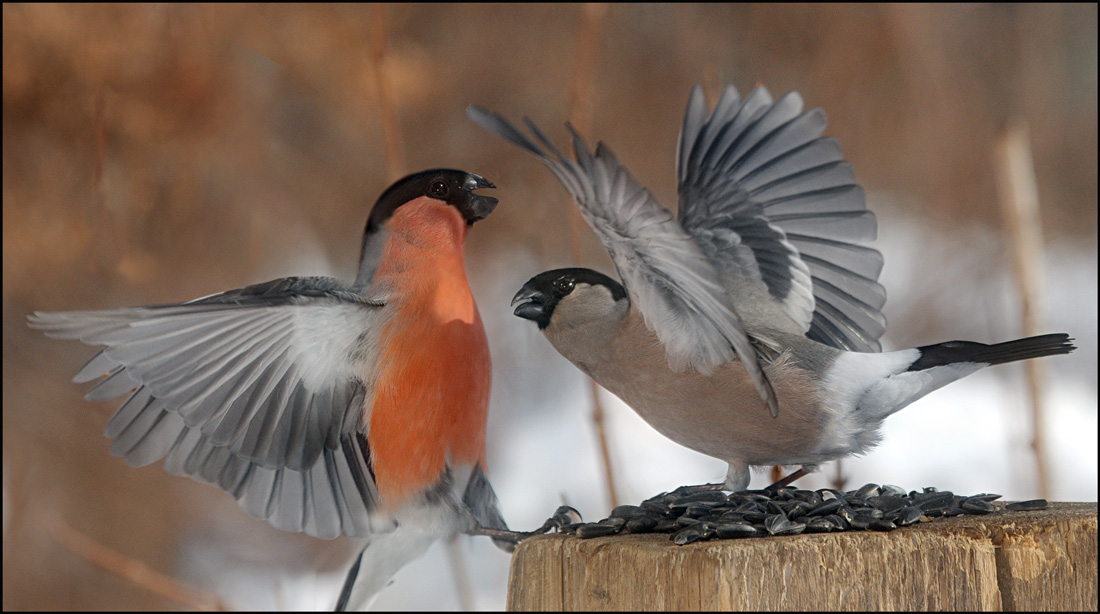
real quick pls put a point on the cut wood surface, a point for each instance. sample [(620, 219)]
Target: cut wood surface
[(1014, 561)]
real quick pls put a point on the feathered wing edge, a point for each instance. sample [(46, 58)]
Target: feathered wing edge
[(768, 198), (673, 284), (225, 389)]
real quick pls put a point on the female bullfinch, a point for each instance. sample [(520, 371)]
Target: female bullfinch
[(746, 327)]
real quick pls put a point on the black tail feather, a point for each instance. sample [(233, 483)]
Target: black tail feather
[(968, 351)]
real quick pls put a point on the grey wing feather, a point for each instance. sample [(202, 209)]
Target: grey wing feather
[(257, 390), (671, 281), (768, 199)]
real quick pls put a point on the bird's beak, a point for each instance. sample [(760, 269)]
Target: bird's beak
[(480, 206), (531, 303)]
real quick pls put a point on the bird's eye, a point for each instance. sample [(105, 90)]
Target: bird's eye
[(438, 189), (564, 286)]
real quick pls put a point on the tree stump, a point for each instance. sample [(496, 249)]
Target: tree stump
[(1044, 560)]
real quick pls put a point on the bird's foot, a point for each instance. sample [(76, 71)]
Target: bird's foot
[(563, 517), (697, 488)]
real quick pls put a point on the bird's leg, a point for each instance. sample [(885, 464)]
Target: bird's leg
[(564, 515), (739, 475), (737, 478)]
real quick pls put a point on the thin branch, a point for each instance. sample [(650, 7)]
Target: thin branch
[(776, 474), (110, 245), (581, 98), (1019, 197), (100, 152), (581, 104), (125, 567), (839, 480), (395, 148)]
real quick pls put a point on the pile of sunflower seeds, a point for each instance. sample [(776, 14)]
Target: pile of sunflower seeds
[(692, 514)]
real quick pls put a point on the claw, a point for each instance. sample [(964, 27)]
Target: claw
[(564, 516)]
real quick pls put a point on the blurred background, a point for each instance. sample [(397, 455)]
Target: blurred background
[(158, 153)]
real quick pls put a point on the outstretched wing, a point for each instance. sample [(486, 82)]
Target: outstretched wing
[(668, 277), (768, 199), (257, 390)]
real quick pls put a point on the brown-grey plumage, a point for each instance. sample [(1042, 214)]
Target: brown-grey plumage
[(771, 216), (679, 291), (833, 401)]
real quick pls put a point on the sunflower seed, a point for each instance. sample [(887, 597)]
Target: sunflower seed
[(1028, 506), (686, 536), (690, 514), (819, 525), (974, 505), (736, 529), (907, 516), (868, 490), (628, 512), (589, 531), (828, 507), (640, 525)]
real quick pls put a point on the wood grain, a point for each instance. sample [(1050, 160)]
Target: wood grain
[(1003, 561)]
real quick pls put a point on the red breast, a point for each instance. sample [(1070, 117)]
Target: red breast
[(431, 396)]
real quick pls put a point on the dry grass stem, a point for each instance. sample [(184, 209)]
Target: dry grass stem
[(581, 105), (395, 147), (125, 567), (1018, 195)]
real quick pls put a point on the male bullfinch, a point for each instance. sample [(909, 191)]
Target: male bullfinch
[(323, 407), (748, 328)]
